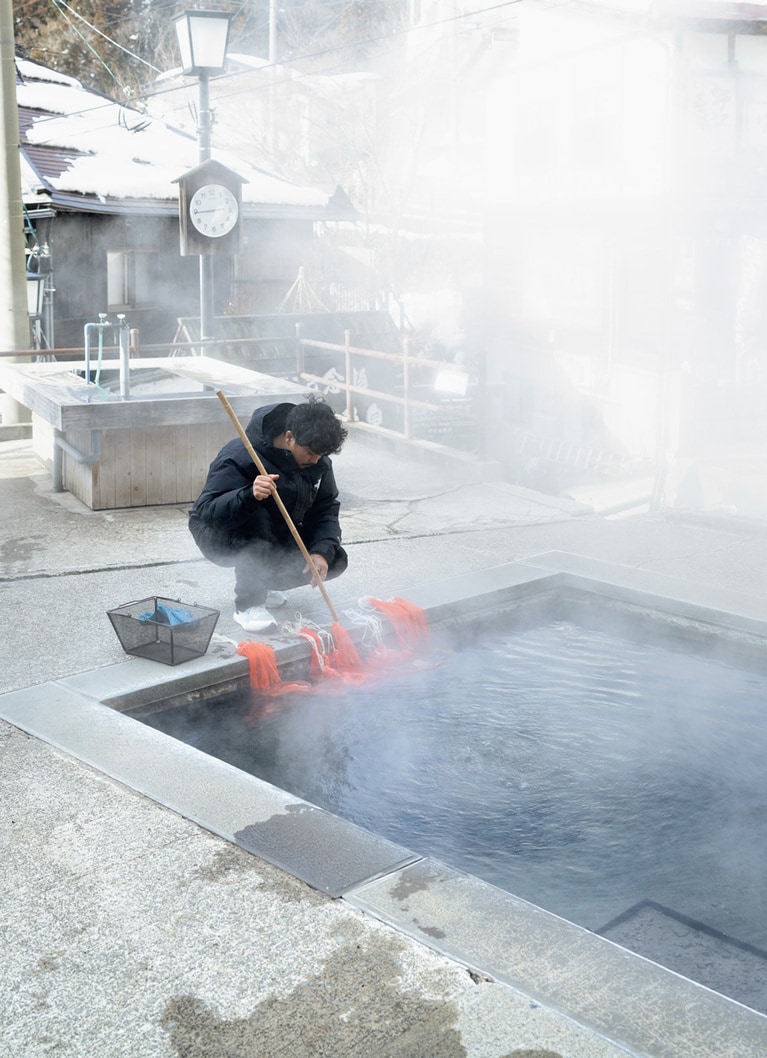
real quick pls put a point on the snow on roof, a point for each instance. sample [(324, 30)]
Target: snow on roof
[(34, 71), (112, 151), (697, 10)]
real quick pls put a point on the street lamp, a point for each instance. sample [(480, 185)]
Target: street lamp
[(35, 305), (203, 37), (35, 293)]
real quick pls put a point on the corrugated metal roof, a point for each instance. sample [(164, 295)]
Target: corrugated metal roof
[(49, 162)]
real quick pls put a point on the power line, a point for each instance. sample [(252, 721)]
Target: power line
[(147, 94), (63, 3), (93, 51), (355, 44)]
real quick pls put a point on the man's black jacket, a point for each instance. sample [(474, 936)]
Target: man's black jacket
[(226, 516)]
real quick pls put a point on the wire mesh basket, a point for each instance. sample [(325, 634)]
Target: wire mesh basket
[(165, 630)]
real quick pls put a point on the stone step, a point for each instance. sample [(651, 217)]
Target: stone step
[(694, 950)]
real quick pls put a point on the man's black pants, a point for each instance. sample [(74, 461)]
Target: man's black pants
[(262, 567)]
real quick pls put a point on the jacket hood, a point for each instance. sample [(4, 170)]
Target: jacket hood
[(268, 422)]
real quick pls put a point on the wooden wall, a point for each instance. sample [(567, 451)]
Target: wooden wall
[(144, 467)]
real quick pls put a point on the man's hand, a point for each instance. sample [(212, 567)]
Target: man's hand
[(264, 487), (321, 564)]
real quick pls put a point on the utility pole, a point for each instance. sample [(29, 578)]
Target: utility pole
[(272, 31), (271, 97), (14, 318)]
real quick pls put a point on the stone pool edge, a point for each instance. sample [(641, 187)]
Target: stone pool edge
[(619, 995)]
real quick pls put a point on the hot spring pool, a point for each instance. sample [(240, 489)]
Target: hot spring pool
[(574, 768)]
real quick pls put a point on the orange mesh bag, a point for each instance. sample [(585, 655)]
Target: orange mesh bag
[(317, 662), (266, 680), (337, 660), (345, 654), (335, 656), (262, 662), (408, 621)]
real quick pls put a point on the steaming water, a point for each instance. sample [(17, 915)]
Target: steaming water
[(578, 770)]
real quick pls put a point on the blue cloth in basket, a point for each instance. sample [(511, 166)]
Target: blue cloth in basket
[(167, 615)]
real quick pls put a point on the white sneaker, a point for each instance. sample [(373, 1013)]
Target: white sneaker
[(276, 598), (255, 619)]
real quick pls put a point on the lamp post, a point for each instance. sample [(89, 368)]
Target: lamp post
[(35, 302), (203, 37)]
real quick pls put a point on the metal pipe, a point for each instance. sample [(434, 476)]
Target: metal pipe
[(377, 393), (123, 336), (103, 322), (123, 340), (374, 354), (406, 387), (207, 309), (206, 260), (60, 444), (300, 360), (49, 291), (348, 369)]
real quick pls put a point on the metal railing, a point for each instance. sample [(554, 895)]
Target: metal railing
[(406, 365), (406, 360)]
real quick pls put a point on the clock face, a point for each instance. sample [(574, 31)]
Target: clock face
[(213, 210)]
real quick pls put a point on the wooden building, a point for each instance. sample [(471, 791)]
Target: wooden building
[(102, 216), (623, 312)]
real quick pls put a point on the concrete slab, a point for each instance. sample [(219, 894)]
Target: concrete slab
[(311, 844), (131, 930), (493, 933), (635, 1003), (693, 950)]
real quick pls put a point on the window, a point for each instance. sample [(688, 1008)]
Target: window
[(132, 279)]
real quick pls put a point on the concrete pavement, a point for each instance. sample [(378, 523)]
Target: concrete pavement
[(129, 929)]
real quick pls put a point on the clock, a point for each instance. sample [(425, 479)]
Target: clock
[(209, 210), (213, 210)]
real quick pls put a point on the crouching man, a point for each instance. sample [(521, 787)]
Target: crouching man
[(235, 520)]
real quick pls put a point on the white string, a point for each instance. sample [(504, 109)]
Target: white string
[(319, 657), (327, 642), (367, 617), (218, 638), (294, 625)]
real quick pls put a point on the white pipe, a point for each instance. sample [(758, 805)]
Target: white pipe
[(123, 337)]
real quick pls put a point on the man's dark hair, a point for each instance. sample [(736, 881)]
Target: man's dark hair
[(315, 426)]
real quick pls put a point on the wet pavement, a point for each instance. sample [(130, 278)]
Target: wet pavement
[(131, 930)]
